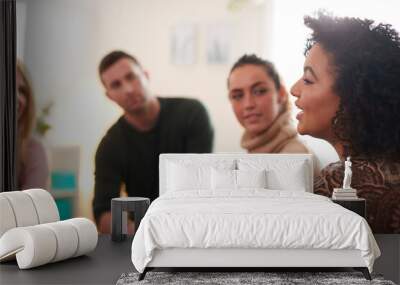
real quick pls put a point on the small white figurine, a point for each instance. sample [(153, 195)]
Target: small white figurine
[(347, 174)]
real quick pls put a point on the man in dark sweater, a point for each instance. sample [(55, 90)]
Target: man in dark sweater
[(128, 153)]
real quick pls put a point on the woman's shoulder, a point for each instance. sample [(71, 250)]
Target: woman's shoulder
[(379, 171), (333, 167), (294, 145), (36, 170), (331, 176), (36, 154), (35, 146)]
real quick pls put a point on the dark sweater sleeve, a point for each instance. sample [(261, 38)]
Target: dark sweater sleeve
[(108, 176), (200, 133)]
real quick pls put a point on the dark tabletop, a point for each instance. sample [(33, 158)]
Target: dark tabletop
[(104, 265)]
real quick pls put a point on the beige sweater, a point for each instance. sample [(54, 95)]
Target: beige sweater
[(280, 137)]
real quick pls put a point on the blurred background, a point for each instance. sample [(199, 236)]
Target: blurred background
[(187, 46)]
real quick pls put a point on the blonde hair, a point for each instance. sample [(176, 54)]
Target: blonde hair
[(27, 119)]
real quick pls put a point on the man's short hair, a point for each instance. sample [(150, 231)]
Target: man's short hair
[(112, 58)]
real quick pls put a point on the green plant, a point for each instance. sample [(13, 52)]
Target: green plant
[(237, 5), (42, 126)]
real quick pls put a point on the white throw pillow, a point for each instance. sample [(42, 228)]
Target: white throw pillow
[(182, 177), (251, 178), (226, 179), (281, 175), (223, 179), (193, 174), (293, 180)]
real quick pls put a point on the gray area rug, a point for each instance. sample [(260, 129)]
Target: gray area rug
[(225, 278)]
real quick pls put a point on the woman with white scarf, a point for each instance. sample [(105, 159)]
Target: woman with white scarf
[(260, 103)]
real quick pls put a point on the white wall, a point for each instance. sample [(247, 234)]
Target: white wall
[(21, 26), (289, 33), (67, 38)]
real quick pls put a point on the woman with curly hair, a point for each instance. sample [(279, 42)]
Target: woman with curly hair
[(349, 95), (260, 103), (32, 166)]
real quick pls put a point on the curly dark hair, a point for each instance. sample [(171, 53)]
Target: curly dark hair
[(365, 59)]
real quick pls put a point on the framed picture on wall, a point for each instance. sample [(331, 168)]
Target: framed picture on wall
[(218, 43), (183, 44)]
